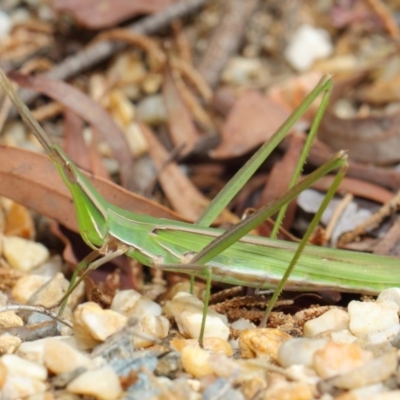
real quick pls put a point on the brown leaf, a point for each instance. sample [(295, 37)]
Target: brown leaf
[(252, 121), (87, 109), (97, 14), (180, 123), (184, 197), (371, 139), (32, 180)]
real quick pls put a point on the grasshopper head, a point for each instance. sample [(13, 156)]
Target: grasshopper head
[(90, 207)]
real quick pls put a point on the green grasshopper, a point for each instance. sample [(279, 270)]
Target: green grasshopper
[(232, 256)]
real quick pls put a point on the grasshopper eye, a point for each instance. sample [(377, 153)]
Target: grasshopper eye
[(69, 172)]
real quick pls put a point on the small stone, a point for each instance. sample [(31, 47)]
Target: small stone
[(188, 313), (195, 361), (102, 383), (290, 390), (9, 343), (93, 325), (366, 392), (3, 374), (51, 292), (26, 286), (23, 387), (307, 45), (34, 350), (344, 336), (22, 254), (241, 324), (378, 318), (9, 319), (262, 342), (6, 25), (132, 304), (392, 294), (20, 367), (393, 395), (299, 351), (373, 371), (212, 344), (339, 358), (150, 329), (333, 320), (59, 357)]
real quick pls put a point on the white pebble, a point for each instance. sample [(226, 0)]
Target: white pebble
[(34, 350), (132, 304), (242, 324), (344, 336), (150, 329), (390, 294), (59, 357), (93, 325), (307, 45), (23, 387), (102, 383), (188, 313), (299, 351), (333, 320), (23, 254), (20, 367), (5, 24), (368, 318)]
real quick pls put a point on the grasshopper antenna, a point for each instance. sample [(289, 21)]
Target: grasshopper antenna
[(26, 114)]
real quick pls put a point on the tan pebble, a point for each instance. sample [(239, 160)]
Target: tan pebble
[(338, 358), (150, 329), (51, 292), (252, 387), (59, 357), (261, 342), (333, 320), (9, 343), (9, 318), (392, 395), (93, 325), (188, 313), (195, 361), (224, 366), (18, 366), (102, 383), (3, 374), (23, 254), (26, 286), (213, 345), (23, 387), (290, 391), (132, 304), (374, 371), (344, 336), (34, 350)]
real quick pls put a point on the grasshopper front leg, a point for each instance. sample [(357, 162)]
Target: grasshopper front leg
[(88, 264)]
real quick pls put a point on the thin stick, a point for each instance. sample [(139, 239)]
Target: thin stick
[(99, 52), (41, 310)]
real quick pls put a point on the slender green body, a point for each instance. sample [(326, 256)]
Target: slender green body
[(250, 261)]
